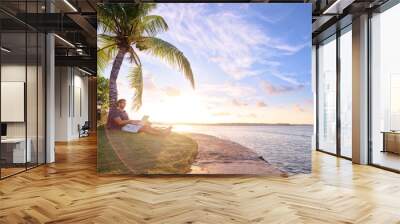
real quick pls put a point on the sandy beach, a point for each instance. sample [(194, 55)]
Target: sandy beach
[(219, 156)]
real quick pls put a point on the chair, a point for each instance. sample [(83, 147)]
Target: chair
[(84, 130)]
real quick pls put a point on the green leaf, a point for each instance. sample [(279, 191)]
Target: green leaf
[(136, 82), (168, 53), (106, 51), (153, 24)]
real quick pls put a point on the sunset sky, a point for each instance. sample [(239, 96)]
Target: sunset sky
[(252, 64)]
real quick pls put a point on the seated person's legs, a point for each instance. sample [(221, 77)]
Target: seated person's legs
[(133, 128), (155, 131)]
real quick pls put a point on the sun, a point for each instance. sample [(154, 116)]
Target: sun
[(185, 108)]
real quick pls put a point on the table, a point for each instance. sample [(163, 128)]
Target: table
[(13, 150)]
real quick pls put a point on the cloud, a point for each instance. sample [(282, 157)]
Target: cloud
[(272, 89), (148, 82), (221, 113), (235, 49), (238, 103), (172, 91), (290, 49), (227, 89), (304, 106), (261, 104), (287, 77), (298, 108), (273, 19), (309, 101), (273, 70), (270, 63)]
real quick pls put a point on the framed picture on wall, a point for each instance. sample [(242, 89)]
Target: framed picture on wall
[(205, 88)]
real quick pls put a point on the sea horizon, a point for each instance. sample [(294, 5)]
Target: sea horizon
[(231, 124)]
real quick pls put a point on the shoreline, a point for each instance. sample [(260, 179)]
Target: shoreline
[(188, 153), (220, 156)]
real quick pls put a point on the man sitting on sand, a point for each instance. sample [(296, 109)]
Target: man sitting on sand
[(118, 119)]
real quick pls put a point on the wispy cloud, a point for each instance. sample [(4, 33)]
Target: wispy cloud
[(274, 89), (290, 49), (227, 89), (224, 37), (287, 77), (298, 108), (148, 81), (261, 104), (239, 103), (272, 19)]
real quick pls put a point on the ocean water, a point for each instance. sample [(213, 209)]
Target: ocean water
[(286, 147)]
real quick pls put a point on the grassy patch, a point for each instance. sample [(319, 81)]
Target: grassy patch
[(149, 154), (107, 160)]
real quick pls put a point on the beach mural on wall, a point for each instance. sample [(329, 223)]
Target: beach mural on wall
[(211, 88)]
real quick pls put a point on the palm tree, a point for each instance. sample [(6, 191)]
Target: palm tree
[(126, 30)]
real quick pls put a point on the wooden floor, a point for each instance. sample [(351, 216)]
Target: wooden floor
[(387, 159), (5, 172), (70, 191)]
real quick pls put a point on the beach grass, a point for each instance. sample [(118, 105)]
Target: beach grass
[(107, 160), (142, 153)]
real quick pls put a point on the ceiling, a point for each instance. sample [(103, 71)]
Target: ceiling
[(75, 23), (330, 15)]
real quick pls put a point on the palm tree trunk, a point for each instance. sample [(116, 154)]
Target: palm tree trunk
[(113, 91), (113, 94)]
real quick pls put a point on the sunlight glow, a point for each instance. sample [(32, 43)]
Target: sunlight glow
[(183, 108), (183, 128), (268, 83)]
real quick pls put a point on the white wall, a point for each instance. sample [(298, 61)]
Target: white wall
[(61, 114), (71, 102), (80, 109)]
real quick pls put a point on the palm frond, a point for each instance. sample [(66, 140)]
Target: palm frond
[(168, 53), (151, 25), (136, 82), (144, 8), (134, 57), (105, 39), (106, 51), (120, 19), (102, 62), (106, 18)]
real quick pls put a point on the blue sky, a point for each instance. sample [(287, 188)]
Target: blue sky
[(252, 63)]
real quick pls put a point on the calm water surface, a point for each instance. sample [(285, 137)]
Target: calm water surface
[(286, 147)]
